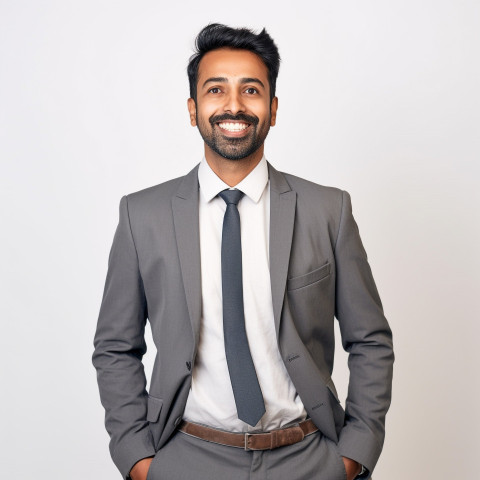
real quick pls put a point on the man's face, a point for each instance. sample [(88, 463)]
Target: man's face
[(233, 111)]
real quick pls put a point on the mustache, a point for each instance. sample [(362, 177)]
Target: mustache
[(239, 118)]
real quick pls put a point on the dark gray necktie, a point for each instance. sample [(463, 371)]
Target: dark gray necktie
[(246, 389)]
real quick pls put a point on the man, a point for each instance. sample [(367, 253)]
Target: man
[(240, 270)]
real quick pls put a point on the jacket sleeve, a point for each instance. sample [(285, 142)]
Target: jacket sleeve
[(119, 345), (367, 338)]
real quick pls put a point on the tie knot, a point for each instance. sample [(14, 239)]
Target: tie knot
[(231, 196)]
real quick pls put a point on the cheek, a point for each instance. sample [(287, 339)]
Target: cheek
[(204, 114), (204, 122), (265, 121), (205, 107), (264, 114)]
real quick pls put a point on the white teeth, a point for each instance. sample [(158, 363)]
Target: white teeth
[(233, 127)]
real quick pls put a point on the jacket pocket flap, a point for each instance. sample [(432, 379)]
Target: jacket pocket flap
[(308, 278), (154, 407)]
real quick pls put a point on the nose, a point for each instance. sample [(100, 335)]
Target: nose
[(234, 103)]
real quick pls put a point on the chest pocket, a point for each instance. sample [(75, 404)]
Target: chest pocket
[(309, 278)]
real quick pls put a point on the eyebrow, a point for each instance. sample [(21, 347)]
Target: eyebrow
[(225, 80)]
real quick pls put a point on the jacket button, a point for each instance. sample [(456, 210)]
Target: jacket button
[(177, 421), (189, 366)]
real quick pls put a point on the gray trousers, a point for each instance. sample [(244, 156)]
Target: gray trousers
[(188, 458)]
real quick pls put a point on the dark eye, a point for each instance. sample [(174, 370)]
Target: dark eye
[(217, 90), (251, 90)]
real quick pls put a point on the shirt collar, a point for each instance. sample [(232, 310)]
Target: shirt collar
[(252, 185)]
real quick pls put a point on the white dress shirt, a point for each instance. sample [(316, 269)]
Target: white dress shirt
[(211, 401)]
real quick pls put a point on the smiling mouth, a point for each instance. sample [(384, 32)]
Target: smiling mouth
[(233, 127)]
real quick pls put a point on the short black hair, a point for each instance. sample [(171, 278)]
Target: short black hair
[(216, 35)]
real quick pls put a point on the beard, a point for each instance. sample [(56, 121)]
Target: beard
[(233, 148)]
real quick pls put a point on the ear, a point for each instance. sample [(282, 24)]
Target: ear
[(273, 111), (192, 110)]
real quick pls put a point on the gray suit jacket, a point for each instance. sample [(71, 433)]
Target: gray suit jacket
[(319, 270)]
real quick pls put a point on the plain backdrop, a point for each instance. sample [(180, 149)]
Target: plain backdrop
[(379, 98)]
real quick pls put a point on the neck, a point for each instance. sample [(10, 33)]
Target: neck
[(232, 172)]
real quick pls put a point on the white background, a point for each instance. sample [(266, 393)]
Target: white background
[(379, 98)]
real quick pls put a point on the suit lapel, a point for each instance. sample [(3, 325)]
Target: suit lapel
[(185, 219), (186, 222), (282, 216)]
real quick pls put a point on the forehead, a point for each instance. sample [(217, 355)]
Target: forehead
[(231, 63)]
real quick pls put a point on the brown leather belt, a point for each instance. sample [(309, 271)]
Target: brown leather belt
[(251, 441)]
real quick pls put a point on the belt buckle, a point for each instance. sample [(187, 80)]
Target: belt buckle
[(246, 440), (247, 435), (288, 436)]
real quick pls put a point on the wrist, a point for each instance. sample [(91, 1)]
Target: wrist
[(362, 472)]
